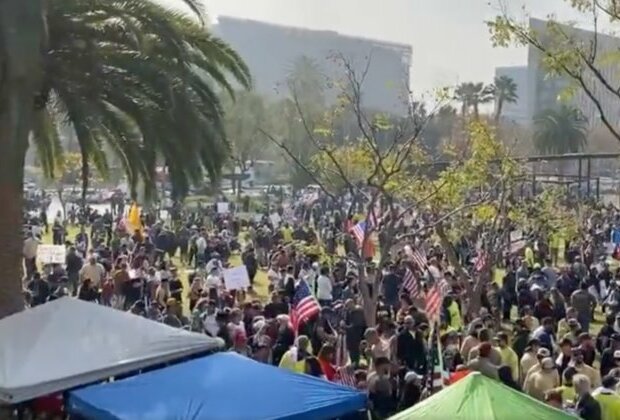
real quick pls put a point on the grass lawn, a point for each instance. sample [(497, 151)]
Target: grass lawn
[(260, 281)]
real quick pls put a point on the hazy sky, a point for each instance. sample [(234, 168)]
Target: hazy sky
[(449, 38)]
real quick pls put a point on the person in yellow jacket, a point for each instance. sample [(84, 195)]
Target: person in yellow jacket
[(509, 357), (529, 256), (608, 399), (569, 396), (294, 359), (456, 323)]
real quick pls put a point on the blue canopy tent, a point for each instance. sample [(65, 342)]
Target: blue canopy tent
[(221, 386)]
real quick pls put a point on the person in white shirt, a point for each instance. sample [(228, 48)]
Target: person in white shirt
[(31, 246), (93, 271), (201, 247), (324, 287)]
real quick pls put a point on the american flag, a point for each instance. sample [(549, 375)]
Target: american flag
[(342, 355), (359, 230), (346, 376), (433, 303), (481, 261), (419, 257), (410, 284), (437, 376), (434, 299), (304, 305)]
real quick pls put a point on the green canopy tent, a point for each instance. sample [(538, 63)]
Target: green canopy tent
[(477, 397)]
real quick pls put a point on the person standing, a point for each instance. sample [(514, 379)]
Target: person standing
[(587, 407), (583, 302), (31, 246)]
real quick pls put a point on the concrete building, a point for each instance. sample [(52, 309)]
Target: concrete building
[(546, 92), (270, 51), (519, 111)]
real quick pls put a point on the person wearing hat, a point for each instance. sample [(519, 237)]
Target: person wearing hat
[(529, 359), (611, 358), (608, 399), (563, 327), (578, 363), (542, 380), (541, 354)]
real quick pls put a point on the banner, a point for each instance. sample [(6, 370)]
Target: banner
[(51, 254), (236, 278)]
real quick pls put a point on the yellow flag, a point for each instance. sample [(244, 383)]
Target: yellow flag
[(133, 218)]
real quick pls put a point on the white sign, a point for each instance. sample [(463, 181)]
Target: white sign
[(236, 278), (275, 219), (223, 208), (51, 254)]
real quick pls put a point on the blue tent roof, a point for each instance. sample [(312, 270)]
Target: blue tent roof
[(221, 386)]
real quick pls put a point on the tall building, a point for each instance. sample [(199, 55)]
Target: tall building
[(519, 111), (546, 92), (270, 51)]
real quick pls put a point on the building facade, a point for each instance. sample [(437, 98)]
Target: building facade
[(547, 92), (270, 52)]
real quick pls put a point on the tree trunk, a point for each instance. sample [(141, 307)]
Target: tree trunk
[(21, 33), (498, 111)]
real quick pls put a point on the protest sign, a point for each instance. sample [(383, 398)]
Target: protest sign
[(223, 208), (51, 254), (236, 278), (275, 219)]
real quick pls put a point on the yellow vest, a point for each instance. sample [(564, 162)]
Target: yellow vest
[(455, 316), (568, 394), (289, 361), (610, 405)]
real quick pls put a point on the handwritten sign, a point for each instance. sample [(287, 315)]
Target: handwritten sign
[(223, 208), (51, 254), (236, 278)]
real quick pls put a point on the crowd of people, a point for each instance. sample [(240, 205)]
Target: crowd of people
[(535, 330)]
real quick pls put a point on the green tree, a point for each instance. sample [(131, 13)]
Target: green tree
[(559, 131), (132, 77), (505, 92), (472, 95), (245, 115), (583, 63), (439, 129)]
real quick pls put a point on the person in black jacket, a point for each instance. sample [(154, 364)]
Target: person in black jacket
[(608, 356), (74, 264), (410, 349), (587, 407)]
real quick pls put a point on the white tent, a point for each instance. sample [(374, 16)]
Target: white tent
[(69, 342)]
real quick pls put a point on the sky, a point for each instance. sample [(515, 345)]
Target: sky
[(449, 38)]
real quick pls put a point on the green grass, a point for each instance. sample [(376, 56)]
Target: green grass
[(261, 282)]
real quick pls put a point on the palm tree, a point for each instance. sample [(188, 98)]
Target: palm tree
[(472, 95), (132, 77), (21, 36), (505, 92), (560, 131)]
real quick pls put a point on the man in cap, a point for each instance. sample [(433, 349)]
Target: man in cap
[(608, 356), (529, 358), (542, 380)]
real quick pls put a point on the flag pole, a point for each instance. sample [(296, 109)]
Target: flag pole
[(440, 354)]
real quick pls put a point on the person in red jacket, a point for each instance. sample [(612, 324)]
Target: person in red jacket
[(326, 358)]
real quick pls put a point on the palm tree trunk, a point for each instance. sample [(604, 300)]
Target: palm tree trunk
[(21, 32), (498, 111)]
